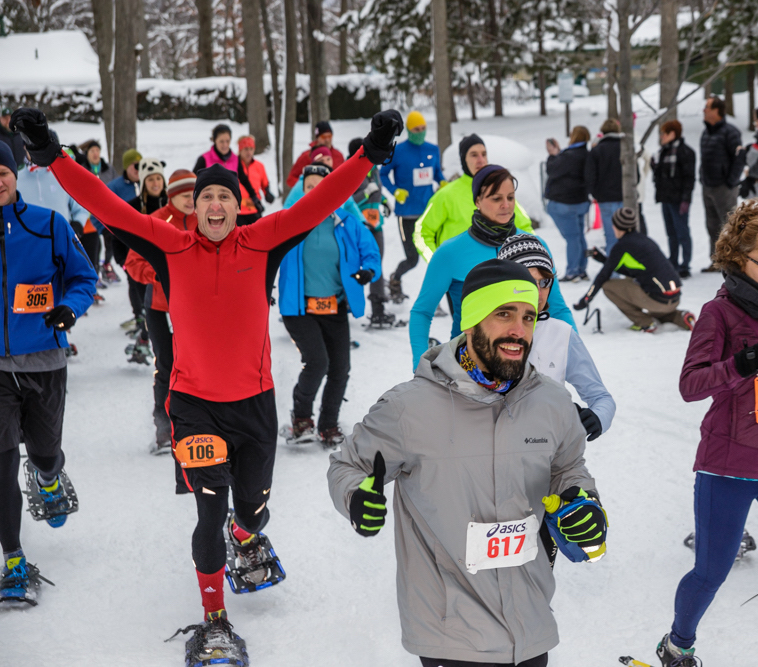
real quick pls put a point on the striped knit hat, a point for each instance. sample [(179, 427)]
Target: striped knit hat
[(625, 219), (526, 250), (182, 180), (493, 283)]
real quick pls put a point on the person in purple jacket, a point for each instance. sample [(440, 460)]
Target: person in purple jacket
[(721, 363)]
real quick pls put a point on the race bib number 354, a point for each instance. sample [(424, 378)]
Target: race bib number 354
[(33, 298), (199, 451), (507, 544)]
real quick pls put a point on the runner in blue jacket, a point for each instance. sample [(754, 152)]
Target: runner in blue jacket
[(320, 279), (492, 223), (414, 168), (47, 283)]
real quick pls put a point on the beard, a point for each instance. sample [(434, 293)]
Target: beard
[(487, 352)]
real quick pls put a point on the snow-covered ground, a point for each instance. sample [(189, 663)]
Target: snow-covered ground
[(122, 566)]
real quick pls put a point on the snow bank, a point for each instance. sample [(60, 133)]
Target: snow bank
[(37, 60), (692, 106)]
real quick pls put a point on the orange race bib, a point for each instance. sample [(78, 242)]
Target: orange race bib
[(200, 451), (321, 305), (372, 216), (33, 299)]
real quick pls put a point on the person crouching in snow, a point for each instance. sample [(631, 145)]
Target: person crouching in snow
[(651, 289)]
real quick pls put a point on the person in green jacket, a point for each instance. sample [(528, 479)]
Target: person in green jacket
[(449, 211)]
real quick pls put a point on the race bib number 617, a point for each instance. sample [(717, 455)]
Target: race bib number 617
[(505, 544)]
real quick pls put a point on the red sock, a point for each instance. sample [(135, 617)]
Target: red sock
[(212, 590), (240, 533)]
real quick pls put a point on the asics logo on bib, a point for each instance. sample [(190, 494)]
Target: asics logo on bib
[(199, 440), (506, 529), (36, 288), (535, 441)]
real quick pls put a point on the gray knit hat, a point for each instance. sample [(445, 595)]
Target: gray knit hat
[(625, 219), (527, 250)]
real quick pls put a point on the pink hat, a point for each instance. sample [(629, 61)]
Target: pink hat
[(320, 150)]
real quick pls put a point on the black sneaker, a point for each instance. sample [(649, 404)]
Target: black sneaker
[(332, 437), (396, 290), (214, 643), (673, 656), (710, 269)]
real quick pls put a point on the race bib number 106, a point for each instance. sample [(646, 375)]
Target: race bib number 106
[(507, 544), (200, 451)]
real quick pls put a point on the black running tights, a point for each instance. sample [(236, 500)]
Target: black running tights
[(208, 546)]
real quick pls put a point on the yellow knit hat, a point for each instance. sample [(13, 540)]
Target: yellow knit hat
[(414, 120)]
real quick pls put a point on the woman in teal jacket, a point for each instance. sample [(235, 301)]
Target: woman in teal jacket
[(319, 281), (494, 192)]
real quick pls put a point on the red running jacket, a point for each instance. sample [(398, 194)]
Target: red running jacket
[(218, 294), (139, 268), (305, 159)]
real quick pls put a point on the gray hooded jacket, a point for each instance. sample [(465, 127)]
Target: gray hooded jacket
[(460, 453)]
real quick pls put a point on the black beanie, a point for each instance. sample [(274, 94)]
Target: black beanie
[(354, 146), (625, 219), (463, 148), (217, 175), (7, 159), (322, 127)]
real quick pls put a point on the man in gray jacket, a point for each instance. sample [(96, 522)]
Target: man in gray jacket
[(474, 442)]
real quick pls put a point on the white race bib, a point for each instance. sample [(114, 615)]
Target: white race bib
[(423, 176), (507, 544)]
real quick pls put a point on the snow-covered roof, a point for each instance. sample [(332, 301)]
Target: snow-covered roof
[(35, 60)]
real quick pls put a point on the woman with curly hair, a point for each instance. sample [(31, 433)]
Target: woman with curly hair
[(721, 363)]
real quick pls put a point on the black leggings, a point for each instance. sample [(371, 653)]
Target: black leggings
[(539, 661), (407, 225), (208, 546), (11, 500), (91, 245), (163, 348), (137, 300)]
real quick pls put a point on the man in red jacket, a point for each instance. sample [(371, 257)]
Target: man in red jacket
[(322, 137), (218, 281), (179, 212)]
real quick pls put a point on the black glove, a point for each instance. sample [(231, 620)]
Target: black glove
[(386, 208), (31, 124), (60, 317), (597, 255), (746, 361), (587, 525), (379, 144), (269, 197), (591, 423), (364, 276), (746, 188), (368, 506), (583, 303)]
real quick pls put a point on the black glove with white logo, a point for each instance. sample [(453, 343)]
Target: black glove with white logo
[(31, 124), (60, 317)]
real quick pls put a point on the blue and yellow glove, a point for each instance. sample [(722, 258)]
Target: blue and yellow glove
[(368, 506)]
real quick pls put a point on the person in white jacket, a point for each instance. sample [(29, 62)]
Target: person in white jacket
[(557, 350)]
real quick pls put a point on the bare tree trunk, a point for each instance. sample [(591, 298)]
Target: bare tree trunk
[(626, 90), (729, 91), (541, 65), (144, 59), (344, 6), (751, 96), (612, 63), (205, 38), (302, 8), (257, 111), (669, 58), (319, 97), (496, 60), (103, 17), (276, 100), (441, 73), (471, 98), (125, 79), (453, 110), (290, 90)]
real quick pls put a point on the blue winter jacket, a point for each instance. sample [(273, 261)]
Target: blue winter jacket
[(124, 188), (358, 250), (446, 272), (40, 187), (408, 157), (38, 247)]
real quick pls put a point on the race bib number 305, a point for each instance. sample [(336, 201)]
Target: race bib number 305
[(33, 298), (199, 451), (507, 544)]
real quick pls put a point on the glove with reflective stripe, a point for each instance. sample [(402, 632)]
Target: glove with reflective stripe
[(31, 124), (587, 525), (368, 506), (401, 195)]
